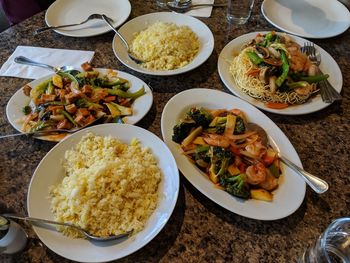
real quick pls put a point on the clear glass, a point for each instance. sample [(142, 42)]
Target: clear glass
[(162, 3), (332, 246), (15, 240), (238, 12)]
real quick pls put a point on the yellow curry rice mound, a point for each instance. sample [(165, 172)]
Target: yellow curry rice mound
[(109, 188), (165, 46)]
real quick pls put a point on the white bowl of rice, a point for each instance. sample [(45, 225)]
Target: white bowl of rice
[(170, 43), (108, 178)]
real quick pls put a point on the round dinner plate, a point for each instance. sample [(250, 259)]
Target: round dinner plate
[(140, 106), (64, 12), (307, 18), (50, 172), (291, 191), (140, 23), (328, 66)]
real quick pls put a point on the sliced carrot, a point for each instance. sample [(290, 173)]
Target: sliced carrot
[(276, 105)]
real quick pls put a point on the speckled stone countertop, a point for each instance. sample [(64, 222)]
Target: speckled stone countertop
[(199, 230)]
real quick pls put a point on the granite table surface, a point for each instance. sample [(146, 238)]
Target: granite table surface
[(199, 230)]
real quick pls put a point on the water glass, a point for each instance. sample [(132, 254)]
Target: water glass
[(239, 11), (332, 246), (14, 240), (162, 3)]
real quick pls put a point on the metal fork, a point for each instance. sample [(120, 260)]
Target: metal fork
[(90, 17), (328, 93)]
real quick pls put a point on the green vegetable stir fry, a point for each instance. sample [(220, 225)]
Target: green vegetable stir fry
[(74, 99), (230, 151)]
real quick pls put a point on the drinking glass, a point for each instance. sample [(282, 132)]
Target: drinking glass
[(162, 3), (14, 240), (239, 11), (332, 246)]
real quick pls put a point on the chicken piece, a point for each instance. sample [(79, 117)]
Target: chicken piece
[(86, 66), (26, 90)]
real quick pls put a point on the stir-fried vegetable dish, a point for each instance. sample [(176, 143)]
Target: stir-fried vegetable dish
[(75, 99), (273, 69), (233, 153)]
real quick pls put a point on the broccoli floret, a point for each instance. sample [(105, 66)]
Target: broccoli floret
[(181, 131), (202, 155), (236, 185), (26, 110), (240, 126), (200, 116), (217, 125), (221, 153)]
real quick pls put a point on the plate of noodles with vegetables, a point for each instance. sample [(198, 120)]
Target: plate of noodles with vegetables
[(75, 99), (268, 70), (220, 147)]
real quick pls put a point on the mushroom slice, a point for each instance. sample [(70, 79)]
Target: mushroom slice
[(264, 74), (272, 84), (263, 52)]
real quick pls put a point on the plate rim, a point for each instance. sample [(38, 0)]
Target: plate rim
[(201, 189), (117, 126), (19, 92), (162, 73), (263, 11), (301, 109), (64, 33)]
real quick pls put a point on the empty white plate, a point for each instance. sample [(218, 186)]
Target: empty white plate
[(307, 18), (63, 12)]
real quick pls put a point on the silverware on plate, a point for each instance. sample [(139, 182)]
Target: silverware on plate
[(186, 6), (328, 93), (317, 184), (90, 17), (83, 231)]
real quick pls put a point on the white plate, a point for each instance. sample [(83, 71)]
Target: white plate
[(140, 23), (328, 65), (63, 12), (307, 18), (50, 172), (291, 191), (140, 106)]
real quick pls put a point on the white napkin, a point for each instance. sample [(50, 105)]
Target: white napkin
[(51, 56), (201, 11)]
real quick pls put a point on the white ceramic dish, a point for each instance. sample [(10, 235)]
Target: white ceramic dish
[(142, 22), (63, 12), (50, 172), (307, 18), (140, 106), (328, 65), (291, 191)]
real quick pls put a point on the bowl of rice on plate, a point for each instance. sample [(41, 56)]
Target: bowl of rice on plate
[(108, 179), (169, 43)]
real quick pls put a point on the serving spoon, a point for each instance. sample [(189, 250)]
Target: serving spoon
[(27, 61), (81, 230), (137, 60), (186, 6), (317, 184), (53, 131)]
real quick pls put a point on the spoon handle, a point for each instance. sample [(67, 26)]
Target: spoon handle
[(37, 220), (43, 29), (213, 5), (105, 18), (318, 185), (27, 61)]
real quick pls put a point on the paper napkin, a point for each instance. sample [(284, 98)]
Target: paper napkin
[(51, 56), (201, 11)]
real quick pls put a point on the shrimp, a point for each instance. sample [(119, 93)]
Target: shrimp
[(216, 140), (256, 174), (298, 61), (256, 148), (270, 182), (304, 91)]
